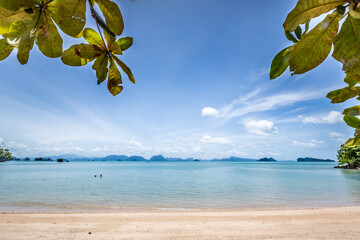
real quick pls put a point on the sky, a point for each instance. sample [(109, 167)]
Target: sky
[(202, 90)]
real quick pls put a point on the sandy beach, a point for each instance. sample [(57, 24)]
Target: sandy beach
[(329, 223)]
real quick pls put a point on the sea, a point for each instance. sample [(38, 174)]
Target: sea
[(174, 186)]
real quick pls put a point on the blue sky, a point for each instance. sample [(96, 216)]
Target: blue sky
[(202, 91)]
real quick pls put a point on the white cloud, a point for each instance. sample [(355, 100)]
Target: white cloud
[(96, 149), (260, 127), (258, 74), (64, 149), (252, 103), (236, 153), (209, 111), (337, 137), (106, 148), (332, 117), (135, 143), (275, 154), (197, 149), (14, 145), (335, 134), (311, 143), (209, 139)]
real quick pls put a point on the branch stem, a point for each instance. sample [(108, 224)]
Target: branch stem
[(93, 13)]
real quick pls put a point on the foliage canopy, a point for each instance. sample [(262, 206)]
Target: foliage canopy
[(349, 156), (5, 154), (24, 23), (310, 48)]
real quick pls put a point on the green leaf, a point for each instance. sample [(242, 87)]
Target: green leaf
[(112, 15), (112, 46), (298, 32), (352, 142), (315, 46), (354, 11), (101, 22), (353, 122), (125, 43), (341, 95), (355, 77), (100, 65), (92, 37), (69, 15), (109, 38), (356, 141), (49, 39), (125, 68), (307, 25), (291, 37), (115, 49), (353, 111), (351, 81), (8, 17), (349, 142), (14, 5), (305, 10), (22, 34), (280, 63), (347, 45), (5, 49), (88, 51), (114, 80), (69, 57)]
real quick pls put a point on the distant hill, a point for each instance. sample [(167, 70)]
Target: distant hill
[(115, 158), (161, 158), (158, 158), (43, 159), (267, 160), (66, 156), (309, 159), (136, 158)]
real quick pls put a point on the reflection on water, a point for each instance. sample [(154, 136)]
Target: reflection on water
[(180, 185), (353, 183)]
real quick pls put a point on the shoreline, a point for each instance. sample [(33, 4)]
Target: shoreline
[(318, 223), (162, 209)]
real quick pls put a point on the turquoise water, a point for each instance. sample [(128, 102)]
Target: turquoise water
[(32, 186)]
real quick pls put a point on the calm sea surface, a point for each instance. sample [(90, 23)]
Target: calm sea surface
[(32, 186)]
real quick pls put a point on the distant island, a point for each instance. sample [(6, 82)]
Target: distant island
[(308, 159), (156, 158), (267, 160), (43, 159)]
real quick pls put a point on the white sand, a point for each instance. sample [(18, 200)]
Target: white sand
[(330, 223)]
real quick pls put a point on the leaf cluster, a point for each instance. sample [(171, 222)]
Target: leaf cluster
[(24, 23), (349, 156), (5, 154), (311, 47)]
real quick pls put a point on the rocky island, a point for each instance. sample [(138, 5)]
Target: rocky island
[(309, 159), (267, 160)]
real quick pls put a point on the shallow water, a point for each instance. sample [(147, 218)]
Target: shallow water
[(35, 186)]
